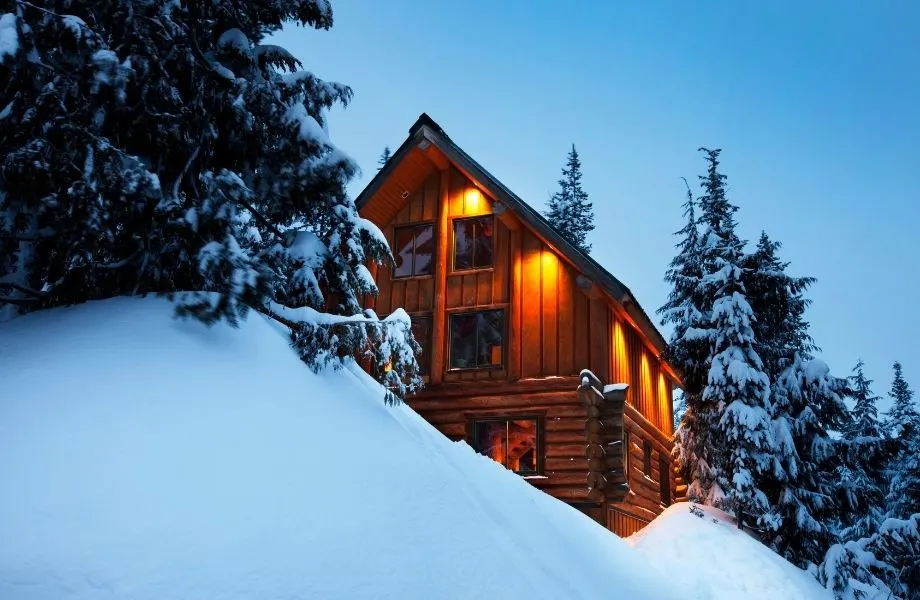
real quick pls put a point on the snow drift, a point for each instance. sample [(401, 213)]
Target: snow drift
[(710, 559), (142, 457)]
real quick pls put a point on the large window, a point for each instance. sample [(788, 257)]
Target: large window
[(421, 330), (414, 249), (477, 339), (510, 441), (473, 243)]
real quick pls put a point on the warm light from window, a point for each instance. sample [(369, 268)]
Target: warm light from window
[(473, 202)]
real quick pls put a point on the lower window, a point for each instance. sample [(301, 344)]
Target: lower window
[(510, 441)]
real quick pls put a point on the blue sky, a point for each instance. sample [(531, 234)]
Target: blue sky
[(815, 105)]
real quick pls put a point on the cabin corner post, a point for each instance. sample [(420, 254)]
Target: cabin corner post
[(613, 440)]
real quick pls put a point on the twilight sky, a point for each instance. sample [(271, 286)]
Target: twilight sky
[(817, 110)]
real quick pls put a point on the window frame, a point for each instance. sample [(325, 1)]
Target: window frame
[(450, 337), (453, 243), (472, 421), (413, 226)]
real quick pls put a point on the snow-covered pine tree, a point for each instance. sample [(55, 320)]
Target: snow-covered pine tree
[(689, 353), (569, 210), (803, 484), (882, 566), (904, 489), (903, 420), (737, 383), (162, 147), (864, 456), (384, 158)]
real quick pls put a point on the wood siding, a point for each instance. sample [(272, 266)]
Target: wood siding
[(553, 330)]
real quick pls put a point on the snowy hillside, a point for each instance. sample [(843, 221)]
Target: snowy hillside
[(145, 458), (719, 562)]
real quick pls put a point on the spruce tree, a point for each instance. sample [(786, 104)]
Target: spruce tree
[(384, 158), (862, 473), (569, 210), (902, 421), (161, 147), (737, 384)]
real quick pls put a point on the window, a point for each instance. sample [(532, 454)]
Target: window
[(421, 329), (473, 243), (414, 249), (510, 441), (476, 339), (664, 473), (647, 458)]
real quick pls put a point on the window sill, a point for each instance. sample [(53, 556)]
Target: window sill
[(411, 277), (472, 271), (474, 369)]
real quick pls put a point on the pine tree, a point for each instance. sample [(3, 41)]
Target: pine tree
[(689, 352), (384, 158), (737, 383), (160, 147), (803, 485), (569, 210), (864, 461), (902, 421)]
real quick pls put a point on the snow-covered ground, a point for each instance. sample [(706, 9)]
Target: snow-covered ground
[(711, 559), (144, 458)]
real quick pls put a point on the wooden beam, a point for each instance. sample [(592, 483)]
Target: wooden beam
[(438, 344), (506, 216), (434, 155), (588, 287)]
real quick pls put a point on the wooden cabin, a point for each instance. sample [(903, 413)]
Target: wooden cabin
[(533, 353)]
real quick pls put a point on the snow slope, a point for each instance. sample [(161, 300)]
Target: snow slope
[(719, 562), (145, 458)]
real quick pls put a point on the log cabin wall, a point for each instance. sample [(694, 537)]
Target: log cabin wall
[(553, 330)]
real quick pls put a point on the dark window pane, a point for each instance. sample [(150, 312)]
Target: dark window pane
[(522, 446), (664, 470), (405, 242), (477, 340), (463, 341), (490, 439), (647, 458), (421, 330), (424, 249), (483, 255), (464, 244)]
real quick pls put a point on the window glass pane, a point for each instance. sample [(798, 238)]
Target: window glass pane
[(491, 330), (489, 437), (483, 244), (522, 446), (424, 248), (404, 246), (421, 329), (464, 241), (463, 341)]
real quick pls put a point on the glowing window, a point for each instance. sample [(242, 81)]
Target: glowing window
[(510, 441)]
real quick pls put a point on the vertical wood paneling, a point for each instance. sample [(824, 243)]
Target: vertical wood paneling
[(566, 322), (599, 334), (531, 359), (581, 316), (517, 292), (549, 301)]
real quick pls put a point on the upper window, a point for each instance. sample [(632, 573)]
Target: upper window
[(421, 330), (473, 243), (477, 339), (509, 441), (414, 249)]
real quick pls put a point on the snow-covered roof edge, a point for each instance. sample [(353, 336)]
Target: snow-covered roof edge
[(426, 128)]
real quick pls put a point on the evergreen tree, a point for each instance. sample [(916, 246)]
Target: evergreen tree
[(803, 486), (384, 158), (864, 461), (737, 385), (903, 420), (161, 147), (569, 210), (689, 352)]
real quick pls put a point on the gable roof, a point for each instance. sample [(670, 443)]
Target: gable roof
[(425, 131)]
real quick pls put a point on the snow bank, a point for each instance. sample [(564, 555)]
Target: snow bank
[(712, 560), (145, 458)]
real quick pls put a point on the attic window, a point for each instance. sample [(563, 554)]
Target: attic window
[(473, 243), (414, 247), (511, 442)]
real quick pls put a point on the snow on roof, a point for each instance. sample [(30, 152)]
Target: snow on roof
[(616, 387), (712, 560), (146, 458)]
